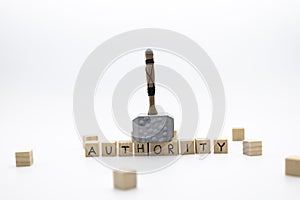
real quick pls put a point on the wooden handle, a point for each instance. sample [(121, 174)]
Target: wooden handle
[(150, 76)]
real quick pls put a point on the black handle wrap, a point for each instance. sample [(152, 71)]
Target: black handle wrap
[(150, 61), (151, 90)]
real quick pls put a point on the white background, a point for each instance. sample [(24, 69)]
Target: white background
[(254, 44)]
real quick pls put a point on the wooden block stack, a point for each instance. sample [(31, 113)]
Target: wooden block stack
[(238, 134), (24, 158), (252, 148), (91, 146), (124, 180), (292, 166)]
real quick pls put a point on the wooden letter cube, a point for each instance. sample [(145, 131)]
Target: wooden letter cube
[(91, 149), (202, 146), (124, 180), (125, 148), (292, 165), (172, 148), (238, 134), (220, 146), (108, 148), (141, 149), (187, 147), (24, 158)]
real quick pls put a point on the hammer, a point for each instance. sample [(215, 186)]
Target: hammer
[(152, 127)]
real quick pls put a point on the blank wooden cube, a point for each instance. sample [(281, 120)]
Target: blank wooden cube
[(202, 146), (164, 148), (108, 148), (252, 147), (187, 147), (292, 165), (91, 149), (87, 138), (125, 148), (24, 158), (141, 149), (238, 134), (124, 180), (220, 146)]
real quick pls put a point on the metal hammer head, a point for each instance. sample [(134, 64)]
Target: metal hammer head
[(153, 128)]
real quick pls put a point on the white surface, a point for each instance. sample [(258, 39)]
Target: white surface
[(254, 44)]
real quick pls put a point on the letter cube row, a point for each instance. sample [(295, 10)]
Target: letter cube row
[(172, 148)]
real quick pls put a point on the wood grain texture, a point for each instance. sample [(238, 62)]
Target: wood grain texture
[(238, 134), (124, 180), (24, 158), (292, 165)]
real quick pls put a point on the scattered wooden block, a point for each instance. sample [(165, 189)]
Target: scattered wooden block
[(292, 165), (187, 147), (24, 158), (108, 148), (125, 148), (87, 138), (91, 149), (220, 146), (238, 134), (141, 149), (252, 148), (124, 180), (164, 148), (202, 146)]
